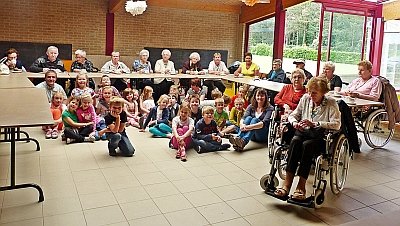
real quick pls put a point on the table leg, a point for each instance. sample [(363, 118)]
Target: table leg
[(8, 134), (12, 179)]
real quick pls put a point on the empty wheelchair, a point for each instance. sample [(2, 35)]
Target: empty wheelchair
[(334, 161)]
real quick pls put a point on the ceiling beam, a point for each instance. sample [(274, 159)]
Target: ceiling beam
[(252, 13), (193, 5), (115, 5)]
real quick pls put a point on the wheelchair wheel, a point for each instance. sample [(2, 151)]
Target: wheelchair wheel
[(340, 164), (273, 129), (282, 162), (319, 198), (267, 179), (376, 132)]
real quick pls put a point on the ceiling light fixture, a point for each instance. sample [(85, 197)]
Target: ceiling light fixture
[(253, 2), (135, 7)]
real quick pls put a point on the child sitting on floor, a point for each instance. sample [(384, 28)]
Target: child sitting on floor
[(182, 129), (157, 119), (236, 113), (115, 132), (206, 137), (131, 107), (74, 131), (195, 88), (220, 115), (56, 107)]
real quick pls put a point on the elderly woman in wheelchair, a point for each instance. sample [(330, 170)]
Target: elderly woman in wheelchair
[(314, 114)]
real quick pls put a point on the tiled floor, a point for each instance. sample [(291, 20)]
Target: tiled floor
[(84, 186)]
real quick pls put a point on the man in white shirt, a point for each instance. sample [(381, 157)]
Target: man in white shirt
[(116, 67), (216, 67)]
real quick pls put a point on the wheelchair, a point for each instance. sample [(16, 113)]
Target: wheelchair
[(374, 124), (334, 161)]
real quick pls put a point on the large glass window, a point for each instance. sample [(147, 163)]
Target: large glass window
[(261, 41), (390, 66)]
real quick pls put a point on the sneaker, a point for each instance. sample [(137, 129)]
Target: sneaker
[(225, 146), (54, 134), (197, 148), (112, 153), (103, 137), (96, 135), (240, 143), (63, 137), (90, 139), (232, 140), (48, 134), (69, 140)]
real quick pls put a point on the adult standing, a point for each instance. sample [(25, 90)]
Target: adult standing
[(216, 67), (163, 66)]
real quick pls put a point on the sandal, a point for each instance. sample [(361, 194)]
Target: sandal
[(281, 193), (183, 154), (299, 195), (178, 154)]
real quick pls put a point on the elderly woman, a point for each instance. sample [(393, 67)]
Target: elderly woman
[(193, 67), (115, 66), (248, 68), (163, 66), (255, 121), (313, 115), (142, 65), (335, 82), (81, 63), (291, 93), (365, 86)]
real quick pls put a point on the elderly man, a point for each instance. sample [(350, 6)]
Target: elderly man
[(50, 61), (301, 63), (276, 74), (50, 85), (116, 67)]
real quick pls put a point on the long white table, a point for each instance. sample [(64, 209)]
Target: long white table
[(22, 107), (274, 86)]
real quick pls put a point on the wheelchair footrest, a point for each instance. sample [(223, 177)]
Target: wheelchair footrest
[(308, 202), (271, 192)]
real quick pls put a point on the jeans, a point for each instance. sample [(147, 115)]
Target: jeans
[(207, 146), (120, 140), (258, 135), (160, 130), (78, 134)]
